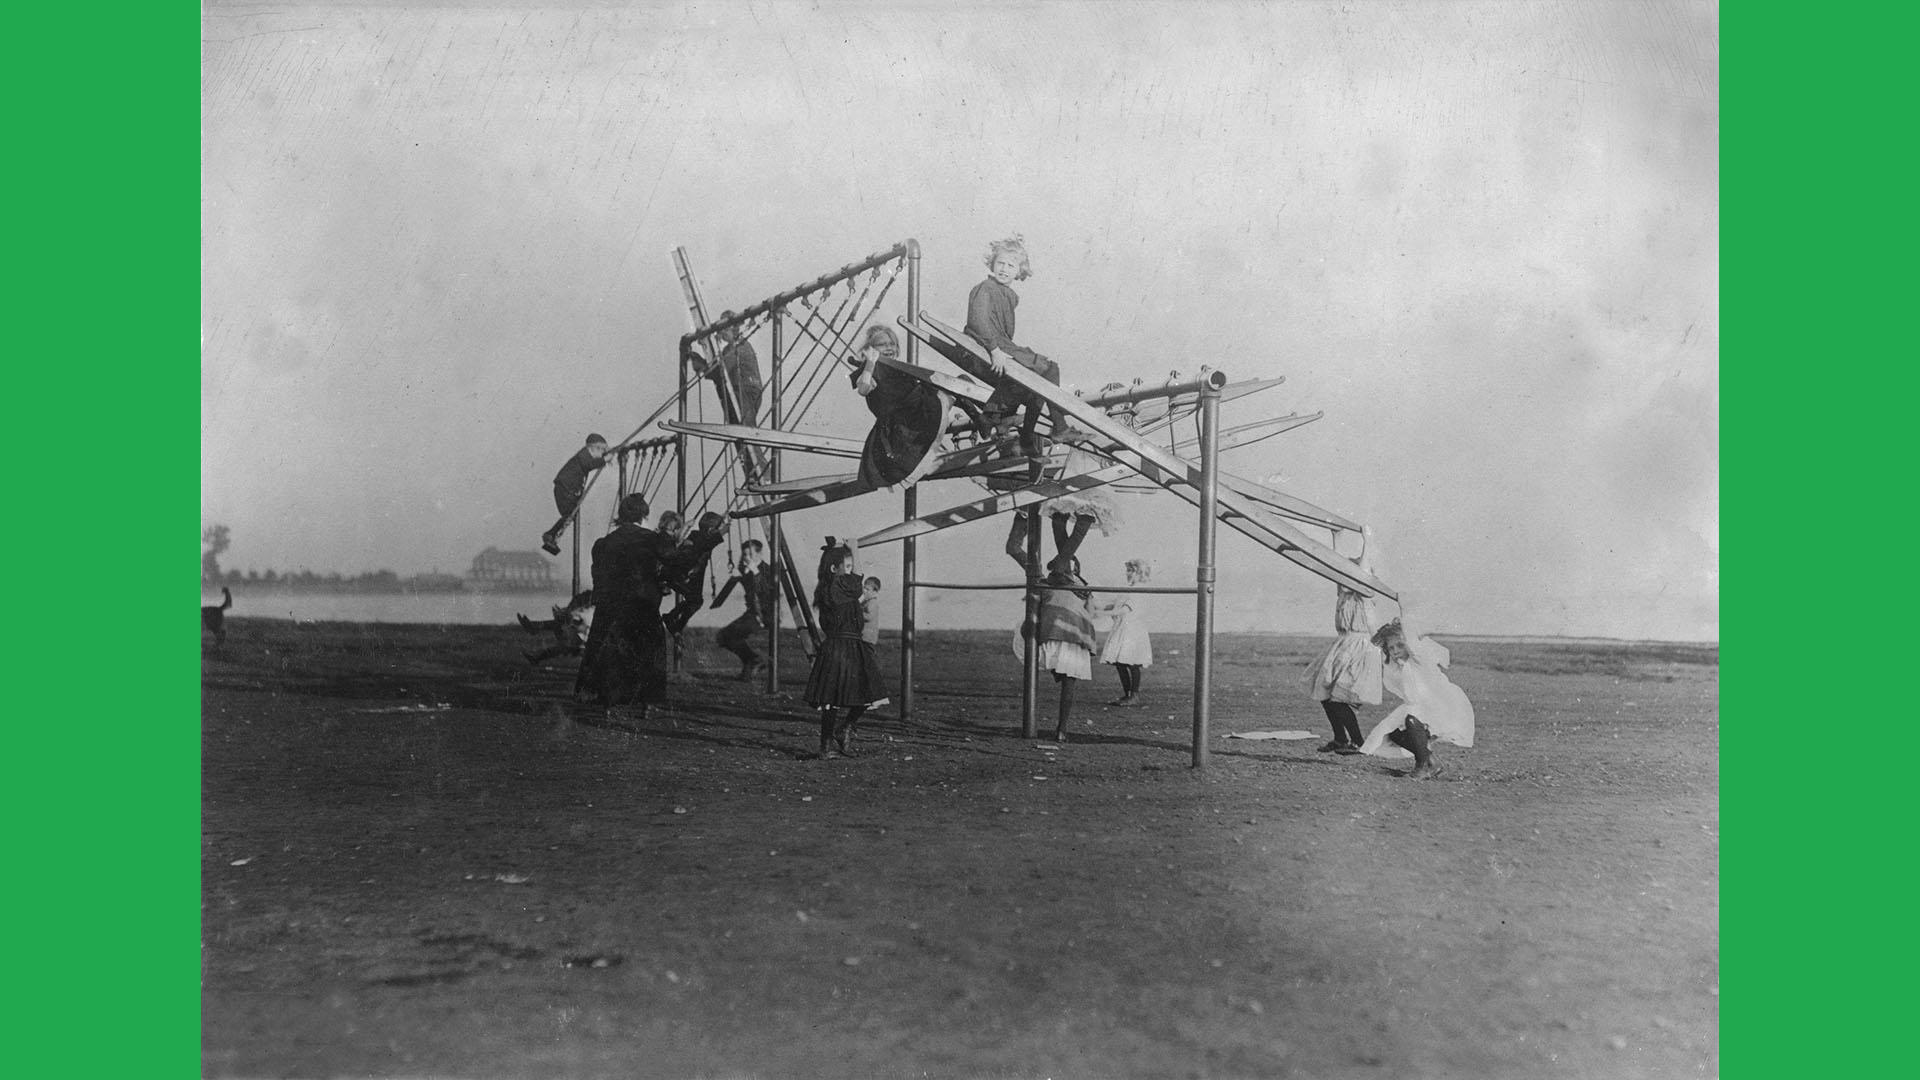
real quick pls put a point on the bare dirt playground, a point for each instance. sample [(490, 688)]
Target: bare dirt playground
[(421, 858)]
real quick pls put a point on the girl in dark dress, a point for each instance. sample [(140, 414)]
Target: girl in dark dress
[(990, 322), (845, 675), (909, 416)]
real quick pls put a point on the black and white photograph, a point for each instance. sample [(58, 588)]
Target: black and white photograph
[(986, 539)]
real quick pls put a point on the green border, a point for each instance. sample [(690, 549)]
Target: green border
[(1816, 258), (1816, 262), (104, 739)]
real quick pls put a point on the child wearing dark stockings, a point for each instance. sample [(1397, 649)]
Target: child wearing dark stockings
[(1431, 707), (845, 674), (990, 321), (1348, 673), (1128, 647)]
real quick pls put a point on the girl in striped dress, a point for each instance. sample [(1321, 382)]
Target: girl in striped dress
[(1065, 634)]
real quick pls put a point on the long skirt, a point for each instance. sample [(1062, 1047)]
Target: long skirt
[(630, 662), (1348, 671), (845, 673), (1128, 642)]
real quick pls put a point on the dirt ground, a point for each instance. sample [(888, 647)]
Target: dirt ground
[(421, 859)]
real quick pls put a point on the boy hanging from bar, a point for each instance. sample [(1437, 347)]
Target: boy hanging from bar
[(570, 486)]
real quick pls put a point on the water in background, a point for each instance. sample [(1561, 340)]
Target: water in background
[(938, 610), (467, 608)]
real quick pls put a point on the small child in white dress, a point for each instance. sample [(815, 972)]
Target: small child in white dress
[(1129, 648), (1431, 707)]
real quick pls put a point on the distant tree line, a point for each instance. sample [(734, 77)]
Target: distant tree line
[(376, 581), (218, 538)]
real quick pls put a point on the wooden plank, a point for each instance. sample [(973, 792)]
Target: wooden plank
[(771, 437), (809, 492), (1274, 499), (1281, 539), (818, 495), (803, 483), (960, 385), (1282, 503), (1182, 477), (996, 504)]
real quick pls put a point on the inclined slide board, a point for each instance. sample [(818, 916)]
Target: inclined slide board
[(1182, 477), (769, 437)]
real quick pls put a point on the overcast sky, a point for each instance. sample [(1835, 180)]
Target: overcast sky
[(1481, 237)]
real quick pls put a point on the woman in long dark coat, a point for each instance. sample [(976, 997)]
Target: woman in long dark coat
[(628, 653)]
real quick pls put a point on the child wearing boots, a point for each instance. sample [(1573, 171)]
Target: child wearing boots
[(845, 674), (990, 321), (1348, 673), (1128, 649), (1431, 706), (570, 486)]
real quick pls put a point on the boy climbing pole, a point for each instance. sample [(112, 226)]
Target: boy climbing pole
[(570, 486)]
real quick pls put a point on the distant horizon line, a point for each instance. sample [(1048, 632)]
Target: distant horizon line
[(1579, 639)]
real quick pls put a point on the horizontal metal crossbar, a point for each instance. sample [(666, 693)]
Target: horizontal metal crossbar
[(1170, 589), (898, 251)]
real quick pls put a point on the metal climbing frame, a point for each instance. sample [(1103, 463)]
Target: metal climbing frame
[(822, 342)]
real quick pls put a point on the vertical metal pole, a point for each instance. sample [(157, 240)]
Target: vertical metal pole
[(680, 442), (910, 549), (1030, 630), (907, 571), (774, 545), (576, 555), (1204, 572)]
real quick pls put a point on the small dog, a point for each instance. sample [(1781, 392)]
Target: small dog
[(213, 617)]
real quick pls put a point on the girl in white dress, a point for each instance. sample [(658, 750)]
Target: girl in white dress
[(1431, 707), (1348, 673), (1128, 647)]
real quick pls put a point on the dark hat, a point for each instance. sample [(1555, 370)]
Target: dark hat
[(596, 438), (632, 508)]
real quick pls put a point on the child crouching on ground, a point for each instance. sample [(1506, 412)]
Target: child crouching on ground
[(1431, 708)]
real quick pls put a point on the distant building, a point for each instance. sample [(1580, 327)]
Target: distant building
[(498, 569)]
